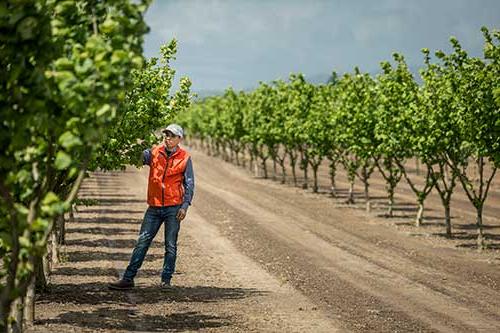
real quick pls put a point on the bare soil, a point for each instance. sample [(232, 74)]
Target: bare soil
[(259, 256)]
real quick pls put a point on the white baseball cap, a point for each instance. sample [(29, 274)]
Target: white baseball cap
[(174, 129)]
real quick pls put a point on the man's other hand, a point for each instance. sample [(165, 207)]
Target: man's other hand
[(181, 214)]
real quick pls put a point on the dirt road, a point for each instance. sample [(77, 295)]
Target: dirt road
[(258, 256)]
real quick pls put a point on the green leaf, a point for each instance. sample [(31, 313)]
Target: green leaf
[(64, 64), (6, 240), (40, 225), (27, 28), (50, 198), (118, 56), (109, 25), (24, 242), (68, 140), (103, 110), (62, 161), (72, 173)]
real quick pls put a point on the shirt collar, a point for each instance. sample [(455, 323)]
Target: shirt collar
[(170, 152)]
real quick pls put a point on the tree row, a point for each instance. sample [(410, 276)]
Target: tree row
[(448, 120), (76, 94)]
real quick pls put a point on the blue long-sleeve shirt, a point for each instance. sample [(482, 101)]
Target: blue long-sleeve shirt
[(188, 181)]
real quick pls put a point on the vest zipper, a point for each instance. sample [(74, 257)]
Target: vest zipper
[(163, 183)]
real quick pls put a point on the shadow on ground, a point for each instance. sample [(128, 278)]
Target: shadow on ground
[(110, 211), (84, 256), (113, 200), (98, 271), (102, 230), (491, 243), (128, 320), (107, 220), (99, 294), (104, 242)]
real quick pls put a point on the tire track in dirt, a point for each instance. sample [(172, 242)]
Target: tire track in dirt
[(443, 301), (415, 298), (356, 309), (293, 198), (415, 270), (285, 301)]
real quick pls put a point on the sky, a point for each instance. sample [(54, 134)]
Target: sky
[(237, 43)]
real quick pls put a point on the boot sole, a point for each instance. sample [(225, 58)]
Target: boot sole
[(120, 288)]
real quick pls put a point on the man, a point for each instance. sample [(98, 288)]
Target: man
[(170, 191)]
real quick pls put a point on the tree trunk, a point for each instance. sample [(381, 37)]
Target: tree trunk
[(231, 154), (420, 213), (392, 178), (46, 268), (304, 165), (243, 157), (217, 149), (42, 269), (54, 249), (281, 162), (315, 167), (61, 230), (227, 153), (236, 154), (250, 163), (333, 171), (479, 223), (444, 186), (366, 172), (275, 168), (477, 197), (29, 304), (367, 195), (350, 198), (293, 163), (71, 214), (447, 219), (16, 312), (351, 177), (209, 148), (264, 165), (223, 152), (390, 208), (213, 150), (421, 194)]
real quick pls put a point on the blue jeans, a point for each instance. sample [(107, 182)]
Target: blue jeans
[(153, 219)]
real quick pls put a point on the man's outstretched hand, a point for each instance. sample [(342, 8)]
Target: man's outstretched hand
[(181, 214)]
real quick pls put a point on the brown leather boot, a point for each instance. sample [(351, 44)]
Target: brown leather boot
[(121, 285)]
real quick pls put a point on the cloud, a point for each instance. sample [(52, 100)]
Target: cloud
[(200, 22), (242, 42)]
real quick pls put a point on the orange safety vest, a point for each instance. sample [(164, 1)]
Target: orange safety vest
[(166, 176)]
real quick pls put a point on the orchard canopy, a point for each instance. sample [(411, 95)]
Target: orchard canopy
[(76, 95), (449, 120)]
